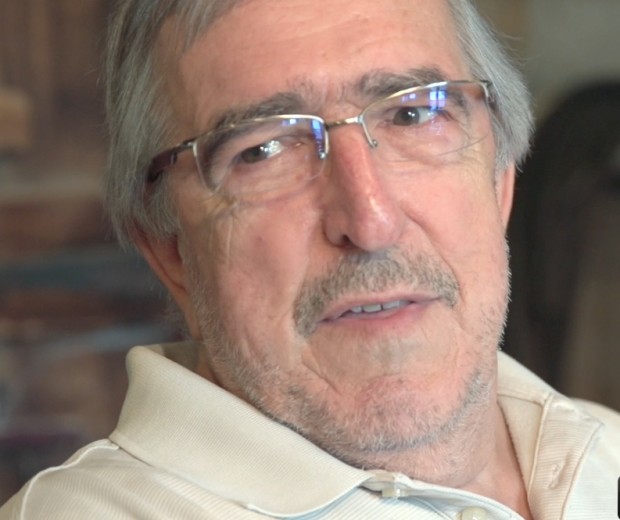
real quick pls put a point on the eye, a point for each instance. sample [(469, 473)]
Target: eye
[(411, 116), (261, 152)]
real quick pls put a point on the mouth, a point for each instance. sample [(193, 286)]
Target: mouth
[(375, 309)]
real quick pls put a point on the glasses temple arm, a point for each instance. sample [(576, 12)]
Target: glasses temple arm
[(164, 160)]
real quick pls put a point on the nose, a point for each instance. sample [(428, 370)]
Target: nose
[(361, 206)]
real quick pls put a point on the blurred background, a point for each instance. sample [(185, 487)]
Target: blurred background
[(72, 304)]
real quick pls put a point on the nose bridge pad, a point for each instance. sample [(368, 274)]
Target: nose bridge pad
[(372, 142), (357, 120)]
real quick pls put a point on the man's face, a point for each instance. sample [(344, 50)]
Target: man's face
[(275, 289)]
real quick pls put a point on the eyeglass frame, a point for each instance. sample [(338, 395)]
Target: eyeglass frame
[(164, 160)]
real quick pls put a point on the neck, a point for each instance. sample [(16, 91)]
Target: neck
[(501, 478), (481, 460)]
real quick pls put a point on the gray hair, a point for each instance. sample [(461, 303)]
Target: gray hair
[(140, 119)]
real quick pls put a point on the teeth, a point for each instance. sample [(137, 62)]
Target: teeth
[(392, 305), (377, 307)]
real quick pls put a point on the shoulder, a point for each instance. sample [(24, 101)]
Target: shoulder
[(605, 414), (102, 480), (610, 431), (529, 401), (84, 486)]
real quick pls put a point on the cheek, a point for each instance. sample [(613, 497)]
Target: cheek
[(481, 262), (266, 260), (461, 218), (458, 211)]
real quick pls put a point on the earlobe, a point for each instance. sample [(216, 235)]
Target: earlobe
[(504, 189), (165, 259)]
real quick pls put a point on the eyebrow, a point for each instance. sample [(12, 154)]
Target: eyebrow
[(378, 84), (371, 86), (280, 103)]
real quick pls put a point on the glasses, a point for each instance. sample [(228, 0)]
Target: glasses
[(417, 128)]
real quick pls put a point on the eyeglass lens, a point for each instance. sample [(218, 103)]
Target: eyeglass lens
[(417, 128)]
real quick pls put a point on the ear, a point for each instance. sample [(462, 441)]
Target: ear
[(504, 191), (166, 260)]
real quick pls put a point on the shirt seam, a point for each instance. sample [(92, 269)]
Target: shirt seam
[(543, 419), (55, 469), (585, 450)]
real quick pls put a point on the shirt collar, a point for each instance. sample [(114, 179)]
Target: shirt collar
[(551, 436), (174, 419)]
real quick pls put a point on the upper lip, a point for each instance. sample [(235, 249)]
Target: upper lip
[(341, 307)]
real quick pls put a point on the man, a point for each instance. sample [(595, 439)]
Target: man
[(332, 230)]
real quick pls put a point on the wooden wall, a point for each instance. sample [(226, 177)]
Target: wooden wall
[(51, 50)]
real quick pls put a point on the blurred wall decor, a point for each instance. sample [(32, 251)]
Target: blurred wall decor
[(71, 303)]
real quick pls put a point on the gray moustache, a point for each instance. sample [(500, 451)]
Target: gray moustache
[(372, 272)]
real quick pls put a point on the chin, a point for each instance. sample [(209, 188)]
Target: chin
[(392, 418)]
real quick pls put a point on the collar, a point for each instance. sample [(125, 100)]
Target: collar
[(174, 419), (551, 435)]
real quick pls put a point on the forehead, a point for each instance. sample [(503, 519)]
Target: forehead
[(262, 47)]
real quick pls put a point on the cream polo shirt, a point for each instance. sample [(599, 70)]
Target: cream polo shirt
[(186, 449)]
